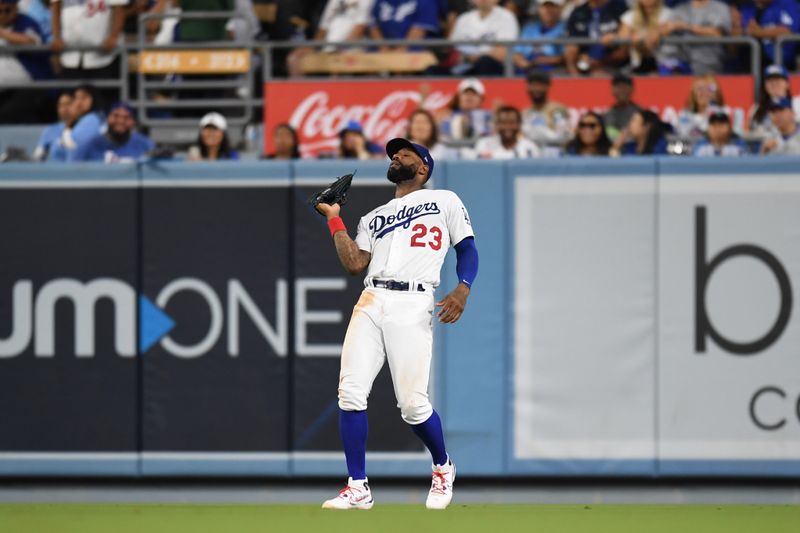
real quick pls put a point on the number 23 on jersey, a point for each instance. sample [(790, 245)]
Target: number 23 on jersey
[(424, 236)]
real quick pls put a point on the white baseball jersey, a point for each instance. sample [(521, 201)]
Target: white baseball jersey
[(408, 237), (86, 23), (499, 25), (493, 148)]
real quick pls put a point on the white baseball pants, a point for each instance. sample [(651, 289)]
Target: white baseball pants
[(396, 326)]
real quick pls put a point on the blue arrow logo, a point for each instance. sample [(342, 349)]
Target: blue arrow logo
[(154, 323)]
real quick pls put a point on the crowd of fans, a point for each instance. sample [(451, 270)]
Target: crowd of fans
[(624, 37), (467, 130)]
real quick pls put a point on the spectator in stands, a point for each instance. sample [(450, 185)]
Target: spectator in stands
[(53, 132), (642, 24), (545, 120), (341, 22), (590, 136), (705, 94), (619, 115), (768, 19), (700, 18), (720, 139), (245, 25), (467, 119), (86, 119), (787, 139), (598, 19), (212, 141), (647, 136), (19, 68), (487, 22), (422, 130), (353, 143), (79, 23), (287, 145), (547, 26), (120, 142), (508, 141), (403, 19), (200, 30), (775, 85), (39, 11)]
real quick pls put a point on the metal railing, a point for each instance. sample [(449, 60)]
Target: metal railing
[(145, 84), (265, 51), (779, 42)]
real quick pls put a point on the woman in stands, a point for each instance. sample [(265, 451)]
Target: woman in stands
[(467, 120), (775, 85), (704, 95), (287, 144), (647, 134), (422, 130), (642, 24), (212, 141), (590, 136)]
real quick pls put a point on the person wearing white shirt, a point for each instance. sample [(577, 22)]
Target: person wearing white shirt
[(87, 23), (487, 22), (342, 20), (508, 142)]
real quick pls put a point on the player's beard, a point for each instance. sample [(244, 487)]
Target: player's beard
[(400, 173)]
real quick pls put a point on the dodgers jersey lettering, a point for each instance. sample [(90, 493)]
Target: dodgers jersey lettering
[(408, 237)]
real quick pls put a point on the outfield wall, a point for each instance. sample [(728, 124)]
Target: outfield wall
[(631, 317)]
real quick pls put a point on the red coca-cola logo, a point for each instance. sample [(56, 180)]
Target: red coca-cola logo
[(318, 121)]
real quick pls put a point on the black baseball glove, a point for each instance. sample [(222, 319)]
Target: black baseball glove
[(335, 193)]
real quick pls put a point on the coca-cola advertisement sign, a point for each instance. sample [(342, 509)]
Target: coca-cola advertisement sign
[(319, 110)]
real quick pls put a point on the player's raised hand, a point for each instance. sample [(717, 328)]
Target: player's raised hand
[(452, 305), (330, 211)]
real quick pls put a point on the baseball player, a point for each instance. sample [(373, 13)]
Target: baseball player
[(401, 245)]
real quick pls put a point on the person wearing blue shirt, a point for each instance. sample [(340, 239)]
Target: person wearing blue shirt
[(647, 134), (120, 142), (86, 122), (769, 19), (720, 139), (404, 19), (600, 20), (53, 132), (548, 26), (19, 69)]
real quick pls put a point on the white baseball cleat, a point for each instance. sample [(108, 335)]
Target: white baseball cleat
[(441, 486), (356, 495)]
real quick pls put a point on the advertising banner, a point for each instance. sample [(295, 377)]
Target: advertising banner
[(68, 300), (584, 319), (215, 361), (728, 267), (318, 110)]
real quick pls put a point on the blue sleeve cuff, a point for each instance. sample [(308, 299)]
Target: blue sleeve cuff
[(466, 261)]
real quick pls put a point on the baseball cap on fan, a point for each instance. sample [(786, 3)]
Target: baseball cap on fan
[(214, 119), (395, 145), (776, 71), (472, 84)]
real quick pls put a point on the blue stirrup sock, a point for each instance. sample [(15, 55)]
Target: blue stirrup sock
[(353, 428), (430, 432)]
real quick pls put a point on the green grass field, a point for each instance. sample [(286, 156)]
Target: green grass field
[(91, 518)]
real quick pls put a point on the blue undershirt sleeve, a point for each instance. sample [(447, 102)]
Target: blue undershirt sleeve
[(466, 261)]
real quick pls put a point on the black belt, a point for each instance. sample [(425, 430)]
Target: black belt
[(393, 285)]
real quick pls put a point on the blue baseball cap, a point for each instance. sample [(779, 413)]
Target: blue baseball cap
[(776, 71), (395, 145), (123, 105), (780, 103), (352, 125)]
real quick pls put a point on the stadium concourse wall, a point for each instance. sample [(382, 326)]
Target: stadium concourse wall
[(631, 318)]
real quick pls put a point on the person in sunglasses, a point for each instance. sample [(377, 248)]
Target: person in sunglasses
[(590, 136)]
